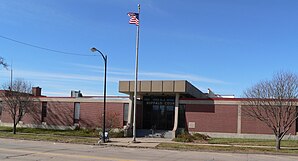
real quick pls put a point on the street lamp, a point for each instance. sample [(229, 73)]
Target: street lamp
[(105, 58)]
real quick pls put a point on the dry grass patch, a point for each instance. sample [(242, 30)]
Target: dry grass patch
[(194, 147)]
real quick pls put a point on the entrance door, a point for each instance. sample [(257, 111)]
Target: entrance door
[(158, 113)]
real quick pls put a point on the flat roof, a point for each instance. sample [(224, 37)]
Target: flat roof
[(182, 87)]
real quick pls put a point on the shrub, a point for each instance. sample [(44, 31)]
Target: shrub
[(185, 137), (198, 136), (116, 134)]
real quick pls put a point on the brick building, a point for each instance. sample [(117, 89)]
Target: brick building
[(168, 106)]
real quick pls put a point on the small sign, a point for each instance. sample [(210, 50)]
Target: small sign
[(191, 125), (159, 101)]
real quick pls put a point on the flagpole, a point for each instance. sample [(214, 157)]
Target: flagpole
[(11, 76), (136, 79)]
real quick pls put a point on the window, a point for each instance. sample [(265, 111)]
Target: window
[(1, 107), (125, 113), (76, 112), (43, 111), (297, 119)]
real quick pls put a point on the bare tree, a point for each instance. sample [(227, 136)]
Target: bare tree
[(3, 63), (112, 120), (18, 100), (273, 102)]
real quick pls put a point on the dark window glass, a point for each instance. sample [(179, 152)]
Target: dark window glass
[(155, 107), (77, 112), (170, 108), (158, 112), (297, 119), (125, 113), (1, 108), (43, 111)]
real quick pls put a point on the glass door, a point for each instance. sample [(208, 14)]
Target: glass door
[(158, 113)]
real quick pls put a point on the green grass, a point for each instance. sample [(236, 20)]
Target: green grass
[(197, 141), (53, 138), (252, 142), (82, 136), (80, 133)]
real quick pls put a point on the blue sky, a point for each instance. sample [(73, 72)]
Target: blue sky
[(225, 45)]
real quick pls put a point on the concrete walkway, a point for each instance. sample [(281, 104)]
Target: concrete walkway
[(140, 142)]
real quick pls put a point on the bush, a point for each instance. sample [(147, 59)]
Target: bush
[(198, 136), (116, 134), (185, 137)]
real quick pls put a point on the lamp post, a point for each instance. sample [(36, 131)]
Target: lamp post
[(105, 58)]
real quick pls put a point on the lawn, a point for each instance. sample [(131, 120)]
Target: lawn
[(194, 147), (81, 136), (252, 142), (52, 138), (203, 142), (80, 133), (86, 136)]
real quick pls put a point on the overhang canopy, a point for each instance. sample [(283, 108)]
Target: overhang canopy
[(182, 87)]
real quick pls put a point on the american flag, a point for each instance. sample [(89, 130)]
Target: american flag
[(134, 18)]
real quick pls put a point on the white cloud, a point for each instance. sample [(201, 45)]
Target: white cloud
[(154, 75), (55, 76), (111, 70), (61, 83), (113, 77)]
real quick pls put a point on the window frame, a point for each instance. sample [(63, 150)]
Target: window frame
[(125, 113), (44, 108), (76, 112)]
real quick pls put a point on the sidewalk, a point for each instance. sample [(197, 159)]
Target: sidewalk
[(140, 142)]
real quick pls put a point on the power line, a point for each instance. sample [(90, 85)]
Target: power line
[(43, 48)]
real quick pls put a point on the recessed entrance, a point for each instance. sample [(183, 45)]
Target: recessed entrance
[(158, 112)]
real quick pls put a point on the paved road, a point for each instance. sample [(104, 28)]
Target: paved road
[(19, 150)]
